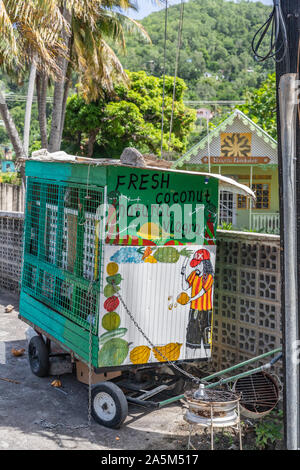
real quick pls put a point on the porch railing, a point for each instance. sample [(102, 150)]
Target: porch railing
[(268, 223)]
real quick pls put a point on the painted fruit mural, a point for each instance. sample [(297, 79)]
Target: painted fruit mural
[(111, 321), (113, 348), (170, 352), (168, 290), (113, 352), (140, 354), (159, 275), (111, 303)]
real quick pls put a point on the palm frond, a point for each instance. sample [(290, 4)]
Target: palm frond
[(116, 25), (98, 81), (32, 30)]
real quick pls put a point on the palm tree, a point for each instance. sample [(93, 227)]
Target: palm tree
[(30, 34), (92, 22), (57, 37), (29, 100)]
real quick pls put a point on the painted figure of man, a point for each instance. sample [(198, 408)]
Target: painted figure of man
[(200, 281)]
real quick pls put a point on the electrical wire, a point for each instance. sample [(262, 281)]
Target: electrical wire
[(278, 48), (164, 79), (180, 27)]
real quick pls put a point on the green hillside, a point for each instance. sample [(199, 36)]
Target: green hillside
[(216, 60)]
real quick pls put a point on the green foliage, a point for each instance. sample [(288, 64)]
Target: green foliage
[(10, 178), (216, 60), (261, 106), (133, 118), (269, 430), (17, 110), (226, 226)]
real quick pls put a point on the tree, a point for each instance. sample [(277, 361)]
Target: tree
[(216, 40), (57, 37), (261, 106), (89, 54), (133, 118), (30, 32)]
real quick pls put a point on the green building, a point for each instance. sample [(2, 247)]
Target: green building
[(240, 149)]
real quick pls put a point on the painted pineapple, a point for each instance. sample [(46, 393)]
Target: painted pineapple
[(171, 352)]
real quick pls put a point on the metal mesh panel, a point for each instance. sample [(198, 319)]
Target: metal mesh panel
[(62, 248)]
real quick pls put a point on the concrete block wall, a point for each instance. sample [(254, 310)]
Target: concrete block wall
[(11, 197), (247, 303)]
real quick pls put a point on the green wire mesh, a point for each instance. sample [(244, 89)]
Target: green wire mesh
[(62, 251)]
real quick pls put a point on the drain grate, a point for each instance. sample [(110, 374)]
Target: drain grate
[(259, 392)]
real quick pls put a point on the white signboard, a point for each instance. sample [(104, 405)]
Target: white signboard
[(168, 291)]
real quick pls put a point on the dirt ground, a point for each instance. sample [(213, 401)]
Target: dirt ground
[(35, 415)]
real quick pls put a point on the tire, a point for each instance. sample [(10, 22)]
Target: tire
[(109, 405), (38, 357)]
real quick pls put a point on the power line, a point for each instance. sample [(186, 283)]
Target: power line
[(180, 26), (164, 79), (214, 103), (16, 97)]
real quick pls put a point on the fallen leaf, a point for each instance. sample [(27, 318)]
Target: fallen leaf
[(56, 383), (9, 380), (17, 352)]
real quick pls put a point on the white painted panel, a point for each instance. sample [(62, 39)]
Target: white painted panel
[(150, 291)]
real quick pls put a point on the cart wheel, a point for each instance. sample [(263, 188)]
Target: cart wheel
[(38, 356), (109, 405)]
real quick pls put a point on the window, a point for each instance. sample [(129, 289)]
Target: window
[(242, 202), (262, 192), (227, 208)]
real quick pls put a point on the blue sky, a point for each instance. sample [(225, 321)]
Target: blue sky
[(148, 6)]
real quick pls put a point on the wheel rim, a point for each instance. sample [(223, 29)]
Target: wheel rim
[(105, 406)]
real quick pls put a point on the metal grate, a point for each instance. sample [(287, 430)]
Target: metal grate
[(259, 392), (62, 250)]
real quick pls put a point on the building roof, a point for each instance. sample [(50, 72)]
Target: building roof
[(236, 122)]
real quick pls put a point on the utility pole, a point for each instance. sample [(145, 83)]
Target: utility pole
[(287, 73)]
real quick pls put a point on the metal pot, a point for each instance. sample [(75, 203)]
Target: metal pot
[(218, 408)]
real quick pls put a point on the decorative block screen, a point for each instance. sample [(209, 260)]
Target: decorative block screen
[(62, 251), (11, 241), (247, 310)]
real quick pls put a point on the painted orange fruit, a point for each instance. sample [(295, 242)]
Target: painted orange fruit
[(183, 298)]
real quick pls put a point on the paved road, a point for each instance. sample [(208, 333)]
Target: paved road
[(34, 415)]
